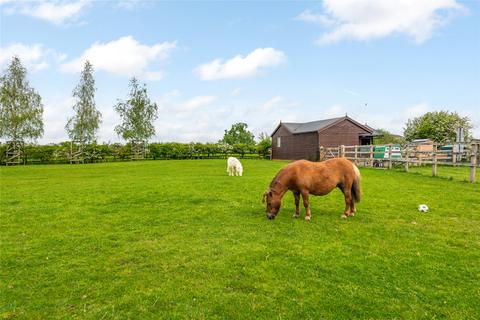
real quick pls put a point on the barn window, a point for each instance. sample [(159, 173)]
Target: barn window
[(279, 142)]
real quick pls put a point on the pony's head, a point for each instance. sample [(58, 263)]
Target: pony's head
[(273, 201)]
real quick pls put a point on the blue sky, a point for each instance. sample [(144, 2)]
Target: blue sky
[(211, 64)]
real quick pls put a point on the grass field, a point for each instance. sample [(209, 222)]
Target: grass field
[(181, 239), (445, 172)]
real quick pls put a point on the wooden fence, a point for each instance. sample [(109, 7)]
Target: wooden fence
[(387, 156)]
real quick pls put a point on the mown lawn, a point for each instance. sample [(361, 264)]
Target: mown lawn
[(181, 239)]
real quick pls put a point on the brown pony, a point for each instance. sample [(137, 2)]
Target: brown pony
[(303, 177)]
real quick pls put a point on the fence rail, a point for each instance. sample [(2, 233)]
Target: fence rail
[(387, 156)]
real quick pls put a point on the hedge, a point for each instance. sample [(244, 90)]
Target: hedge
[(59, 153)]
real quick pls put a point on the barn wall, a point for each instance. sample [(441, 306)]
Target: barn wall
[(294, 147), (344, 132)]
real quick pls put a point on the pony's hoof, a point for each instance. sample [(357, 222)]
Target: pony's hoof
[(296, 216), (307, 218), (344, 216)]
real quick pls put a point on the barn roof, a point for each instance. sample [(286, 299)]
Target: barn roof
[(295, 127), (309, 126)]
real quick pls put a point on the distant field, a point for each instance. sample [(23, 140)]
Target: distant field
[(181, 239)]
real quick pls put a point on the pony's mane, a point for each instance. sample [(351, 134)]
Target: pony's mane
[(275, 182)]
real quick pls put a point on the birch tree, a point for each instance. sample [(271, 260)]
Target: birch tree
[(137, 114), (21, 107), (84, 124)]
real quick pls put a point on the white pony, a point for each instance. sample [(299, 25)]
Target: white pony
[(234, 167)]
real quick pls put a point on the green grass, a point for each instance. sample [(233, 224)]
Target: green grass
[(181, 239), (446, 172)]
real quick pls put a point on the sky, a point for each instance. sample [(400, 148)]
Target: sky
[(210, 64)]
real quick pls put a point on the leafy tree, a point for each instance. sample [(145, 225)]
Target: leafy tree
[(265, 144), (241, 148), (137, 113), (211, 149), (86, 121), (21, 107), (238, 134), (440, 126), (385, 137), (224, 147)]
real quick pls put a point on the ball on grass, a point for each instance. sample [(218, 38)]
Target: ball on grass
[(423, 208)]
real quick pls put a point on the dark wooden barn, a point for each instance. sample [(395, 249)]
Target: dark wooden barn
[(292, 141)]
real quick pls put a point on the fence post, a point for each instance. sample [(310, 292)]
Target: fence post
[(473, 162), (322, 153), (356, 154), (434, 160), (342, 151), (454, 155), (371, 156), (389, 156), (407, 157)]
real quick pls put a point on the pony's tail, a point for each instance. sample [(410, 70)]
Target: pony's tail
[(356, 185)]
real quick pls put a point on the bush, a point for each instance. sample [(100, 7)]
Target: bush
[(43, 154)]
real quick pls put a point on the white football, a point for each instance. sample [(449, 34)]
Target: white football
[(423, 208)]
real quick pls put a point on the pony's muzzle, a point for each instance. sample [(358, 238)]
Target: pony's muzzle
[(270, 216)]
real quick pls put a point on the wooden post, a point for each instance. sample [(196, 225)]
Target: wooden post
[(389, 156), (407, 157), (356, 155), (371, 156), (322, 153), (419, 155), (454, 154), (473, 162), (342, 151), (434, 160)]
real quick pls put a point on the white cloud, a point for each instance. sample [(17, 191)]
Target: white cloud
[(264, 117), (351, 92), (335, 111), (197, 102), (129, 4), (271, 103), (416, 110), (172, 103), (236, 91), (55, 115), (166, 99), (321, 19), (372, 19), (56, 12), (239, 66), (34, 57), (125, 57)]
